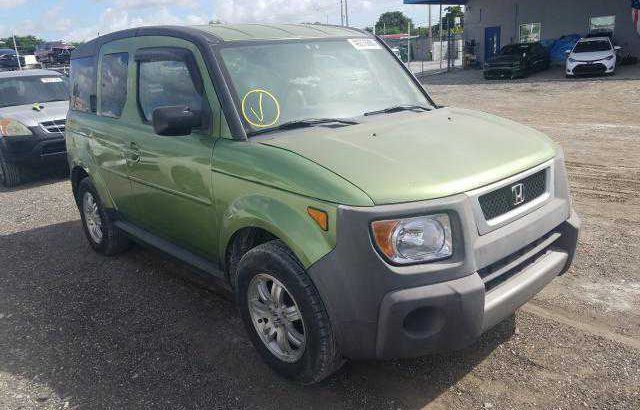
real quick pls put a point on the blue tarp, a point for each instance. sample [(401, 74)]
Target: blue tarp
[(559, 47)]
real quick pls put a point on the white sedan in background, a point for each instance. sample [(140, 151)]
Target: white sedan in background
[(595, 55)]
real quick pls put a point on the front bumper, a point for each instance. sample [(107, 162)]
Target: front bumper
[(384, 311), (594, 68), (37, 149), (503, 72)]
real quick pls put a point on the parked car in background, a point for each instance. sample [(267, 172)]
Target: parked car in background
[(592, 55), (43, 51), (351, 215), (53, 53), (33, 108), (517, 61), (61, 55), (9, 60)]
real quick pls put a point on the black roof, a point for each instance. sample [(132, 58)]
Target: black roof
[(92, 48)]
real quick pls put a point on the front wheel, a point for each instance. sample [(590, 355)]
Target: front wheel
[(11, 174), (284, 314)]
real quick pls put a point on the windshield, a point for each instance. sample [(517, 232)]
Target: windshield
[(514, 49), (592, 46), (279, 83), (31, 90)]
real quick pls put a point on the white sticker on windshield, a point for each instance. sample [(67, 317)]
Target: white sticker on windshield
[(51, 80), (364, 44)]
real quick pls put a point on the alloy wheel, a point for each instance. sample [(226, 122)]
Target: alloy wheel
[(277, 318), (92, 218)]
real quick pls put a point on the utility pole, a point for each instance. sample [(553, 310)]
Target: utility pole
[(440, 23), (346, 11), (342, 12), (430, 32), (409, 45), (15, 47)]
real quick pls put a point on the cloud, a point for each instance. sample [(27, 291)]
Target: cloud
[(10, 4), (151, 4), (247, 11), (114, 19), (362, 12)]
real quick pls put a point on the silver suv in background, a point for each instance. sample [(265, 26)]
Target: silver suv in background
[(33, 110)]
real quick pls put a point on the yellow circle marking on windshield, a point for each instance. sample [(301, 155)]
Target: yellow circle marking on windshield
[(253, 110)]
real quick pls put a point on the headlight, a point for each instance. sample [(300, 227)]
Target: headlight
[(572, 60), (609, 58), (414, 240), (12, 128)]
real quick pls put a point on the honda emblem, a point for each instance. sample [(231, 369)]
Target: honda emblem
[(518, 194)]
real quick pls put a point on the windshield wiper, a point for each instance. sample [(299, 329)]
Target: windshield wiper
[(306, 123), (398, 108)]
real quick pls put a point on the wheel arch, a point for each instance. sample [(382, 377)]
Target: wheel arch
[(253, 220), (80, 172)]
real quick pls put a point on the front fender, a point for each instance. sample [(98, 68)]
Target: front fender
[(280, 213)]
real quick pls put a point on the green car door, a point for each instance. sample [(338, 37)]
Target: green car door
[(171, 175), (110, 137)]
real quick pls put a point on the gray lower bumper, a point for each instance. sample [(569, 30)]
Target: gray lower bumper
[(503, 301), (383, 311)]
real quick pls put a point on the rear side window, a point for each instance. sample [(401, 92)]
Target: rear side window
[(168, 77), (113, 84), (83, 85)]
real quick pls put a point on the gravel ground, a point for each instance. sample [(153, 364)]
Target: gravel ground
[(81, 331)]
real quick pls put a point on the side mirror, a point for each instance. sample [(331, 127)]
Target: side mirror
[(617, 48), (567, 52), (175, 121)]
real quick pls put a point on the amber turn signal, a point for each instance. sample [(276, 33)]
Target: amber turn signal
[(321, 218), (383, 233)]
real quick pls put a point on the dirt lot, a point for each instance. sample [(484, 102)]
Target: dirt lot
[(82, 331)]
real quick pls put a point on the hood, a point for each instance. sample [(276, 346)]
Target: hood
[(511, 58), (25, 114), (408, 157), (594, 56)]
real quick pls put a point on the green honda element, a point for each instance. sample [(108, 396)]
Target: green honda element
[(305, 168)]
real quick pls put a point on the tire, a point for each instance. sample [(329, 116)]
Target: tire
[(99, 228), (319, 356), (11, 174)]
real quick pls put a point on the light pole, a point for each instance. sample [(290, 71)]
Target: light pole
[(346, 11), (15, 47)]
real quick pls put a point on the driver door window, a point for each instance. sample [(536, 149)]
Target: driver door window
[(166, 83)]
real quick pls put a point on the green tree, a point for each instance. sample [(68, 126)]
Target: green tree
[(393, 22), (26, 44), (449, 19)]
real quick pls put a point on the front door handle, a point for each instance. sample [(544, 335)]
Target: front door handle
[(134, 152)]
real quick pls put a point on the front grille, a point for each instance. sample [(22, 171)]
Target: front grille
[(513, 196), (508, 267), (54, 126), (590, 69), (499, 72)]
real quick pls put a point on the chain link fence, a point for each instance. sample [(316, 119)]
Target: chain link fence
[(424, 54)]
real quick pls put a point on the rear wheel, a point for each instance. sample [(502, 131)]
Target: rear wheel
[(11, 174), (284, 314), (99, 228)]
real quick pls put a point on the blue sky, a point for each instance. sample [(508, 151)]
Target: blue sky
[(80, 20)]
